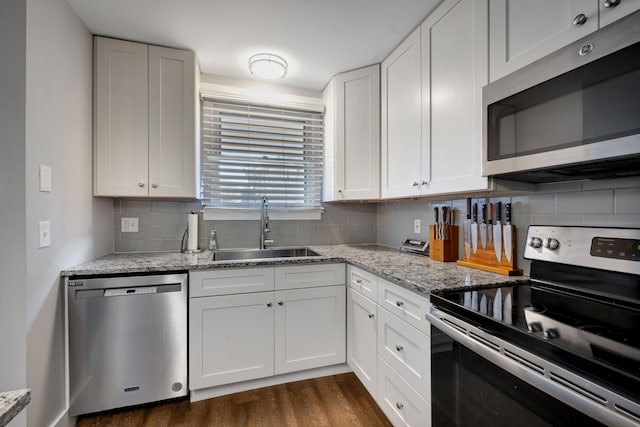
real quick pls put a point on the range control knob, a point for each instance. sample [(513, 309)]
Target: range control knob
[(551, 243), (535, 242)]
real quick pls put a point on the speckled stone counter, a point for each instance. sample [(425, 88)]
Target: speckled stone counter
[(413, 272), (11, 403)]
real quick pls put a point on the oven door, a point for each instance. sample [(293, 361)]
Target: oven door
[(480, 380)]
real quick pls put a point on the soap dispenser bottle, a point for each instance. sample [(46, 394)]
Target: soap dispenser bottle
[(213, 241)]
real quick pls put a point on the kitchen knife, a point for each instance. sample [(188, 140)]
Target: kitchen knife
[(467, 230), (507, 231), (483, 226), (490, 226), (497, 232), (437, 226), (445, 217), (474, 229)]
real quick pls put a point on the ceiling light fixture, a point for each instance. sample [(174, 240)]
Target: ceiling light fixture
[(268, 66)]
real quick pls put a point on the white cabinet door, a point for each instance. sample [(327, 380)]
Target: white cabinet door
[(310, 328), (522, 31), (230, 339), (357, 136), (173, 147), (362, 336), (120, 118), (454, 70), (403, 158), (610, 13)]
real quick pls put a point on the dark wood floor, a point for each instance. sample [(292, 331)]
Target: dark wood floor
[(339, 400)]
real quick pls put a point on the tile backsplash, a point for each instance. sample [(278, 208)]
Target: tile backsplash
[(161, 225), (592, 203), (606, 203)]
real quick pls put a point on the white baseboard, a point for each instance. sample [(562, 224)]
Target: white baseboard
[(222, 390)]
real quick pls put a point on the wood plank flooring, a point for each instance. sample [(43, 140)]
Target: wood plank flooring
[(338, 400)]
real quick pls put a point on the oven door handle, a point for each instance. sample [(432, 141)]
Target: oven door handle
[(579, 393)]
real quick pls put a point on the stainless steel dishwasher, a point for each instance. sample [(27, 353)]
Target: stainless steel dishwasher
[(127, 341)]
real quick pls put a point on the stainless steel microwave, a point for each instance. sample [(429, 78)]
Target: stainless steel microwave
[(573, 114)]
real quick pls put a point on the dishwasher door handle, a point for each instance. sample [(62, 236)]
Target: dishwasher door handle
[(134, 290), (142, 290)]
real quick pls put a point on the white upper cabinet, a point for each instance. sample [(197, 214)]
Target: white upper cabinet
[(454, 70), (352, 135), (404, 157), (612, 10), (145, 120), (523, 31)]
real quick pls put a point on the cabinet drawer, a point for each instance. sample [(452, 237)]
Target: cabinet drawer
[(363, 282), (407, 350), (405, 304), (227, 281), (309, 276), (400, 403)]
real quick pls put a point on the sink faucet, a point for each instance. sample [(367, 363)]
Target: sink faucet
[(264, 225)]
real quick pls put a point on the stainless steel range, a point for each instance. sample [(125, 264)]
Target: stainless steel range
[(562, 349)]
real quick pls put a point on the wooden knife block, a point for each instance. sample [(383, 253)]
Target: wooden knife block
[(485, 259), (443, 250)]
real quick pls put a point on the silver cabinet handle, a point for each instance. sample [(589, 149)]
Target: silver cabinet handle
[(269, 304), (154, 185), (399, 347), (280, 302), (399, 303), (610, 4), (339, 191), (425, 182), (580, 19), (141, 184), (371, 315), (359, 282), (415, 183), (399, 405)]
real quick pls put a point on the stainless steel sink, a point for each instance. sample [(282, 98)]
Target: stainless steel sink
[(247, 254)]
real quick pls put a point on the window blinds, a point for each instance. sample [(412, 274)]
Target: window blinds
[(253, 151)]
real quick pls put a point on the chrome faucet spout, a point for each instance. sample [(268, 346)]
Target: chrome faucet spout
[(264, 224)]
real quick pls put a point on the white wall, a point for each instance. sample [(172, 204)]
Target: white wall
[(12, 197), (58, 134)]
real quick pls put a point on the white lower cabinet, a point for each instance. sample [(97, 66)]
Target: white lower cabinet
[(399, 401), (389, 346), (230, 339), (362, 336), (253, 335), (310, 328)]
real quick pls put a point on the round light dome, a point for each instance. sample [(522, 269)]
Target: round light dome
[(268, 66)]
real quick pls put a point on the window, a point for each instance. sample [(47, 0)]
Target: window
[(252, 151)]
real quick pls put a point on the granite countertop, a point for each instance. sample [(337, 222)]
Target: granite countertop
[(414, 272), (11, 403)]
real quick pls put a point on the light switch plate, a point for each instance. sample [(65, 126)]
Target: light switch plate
[(45, 178), (129, 225), (417, 226), (44, 234)]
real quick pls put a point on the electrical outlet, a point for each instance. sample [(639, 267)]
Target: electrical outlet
[(129, 225), (417, 227), (44, 234)]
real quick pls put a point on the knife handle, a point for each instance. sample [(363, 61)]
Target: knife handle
[(475, 212), (484, 213), (435, 214), (507, 213), (498, 212), (490, 217), (468, 207)]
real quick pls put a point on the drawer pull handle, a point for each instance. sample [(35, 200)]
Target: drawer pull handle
[(580, 20), (141, 184), (399, 303), (399, 405), (399, 347), (371, 315), (280, 302), (359, 282), (269, 304), (610, 4)]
